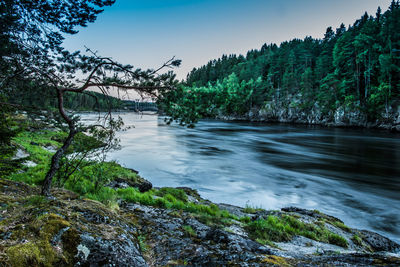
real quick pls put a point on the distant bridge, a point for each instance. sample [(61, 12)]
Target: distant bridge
[(140, 106)]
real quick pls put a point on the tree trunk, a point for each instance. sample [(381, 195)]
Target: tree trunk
[(55, 160), (55, 163)]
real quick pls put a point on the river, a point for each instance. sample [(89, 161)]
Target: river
[(353, 174)]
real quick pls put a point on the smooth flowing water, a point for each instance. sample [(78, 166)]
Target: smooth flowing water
[(353, 174)]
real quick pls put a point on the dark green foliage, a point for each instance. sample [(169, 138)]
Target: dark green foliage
[(229, 96), (31, 39), (8, 129), (90, 101), (357, 68)]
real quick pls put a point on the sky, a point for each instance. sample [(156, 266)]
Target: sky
[(146, 33)]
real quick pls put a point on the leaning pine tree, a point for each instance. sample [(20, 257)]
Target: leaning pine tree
[(145, 82), (33, 61)]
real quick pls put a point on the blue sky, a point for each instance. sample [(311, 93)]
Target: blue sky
[(146, 33)]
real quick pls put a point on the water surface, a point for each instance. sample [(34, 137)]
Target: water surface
[(353, 174)]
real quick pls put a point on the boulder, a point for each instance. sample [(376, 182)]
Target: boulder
[(142, 184), (98, 251), (379, 242)]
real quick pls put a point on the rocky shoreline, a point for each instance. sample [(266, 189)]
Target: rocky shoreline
[(71, 231), (341, 117)]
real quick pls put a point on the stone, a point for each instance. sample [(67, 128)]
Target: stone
[(97, 251), (51, 149), (379, 242), (20, 154), (142, 184), (29, 164)]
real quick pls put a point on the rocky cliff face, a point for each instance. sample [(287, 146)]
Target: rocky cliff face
[(69, 231), (295, 112)]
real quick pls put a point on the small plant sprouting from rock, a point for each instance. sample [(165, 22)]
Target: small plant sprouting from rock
[(357, 240), (142, 243), (35, 200), (189, 231), (340, 225), (250, 209)]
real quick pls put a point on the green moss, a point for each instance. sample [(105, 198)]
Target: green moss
[(38, 251), (275, 261), (70, 240), (27, 254), (39, 232), (53, 223)]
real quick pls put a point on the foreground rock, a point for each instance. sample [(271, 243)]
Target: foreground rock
[(69, 231), (66, 231)]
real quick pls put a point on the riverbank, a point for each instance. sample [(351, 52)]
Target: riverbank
[(128, 223), (73, 231), (341, 117)]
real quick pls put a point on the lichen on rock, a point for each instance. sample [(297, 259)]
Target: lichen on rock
[(172, 227)]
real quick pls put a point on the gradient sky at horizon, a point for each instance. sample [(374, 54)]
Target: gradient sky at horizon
[(147, 33)]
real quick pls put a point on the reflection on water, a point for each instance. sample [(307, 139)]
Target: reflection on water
[(351, 174)]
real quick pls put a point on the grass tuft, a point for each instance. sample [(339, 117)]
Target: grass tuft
[(284, 228), (189, 231), (357, 240)]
